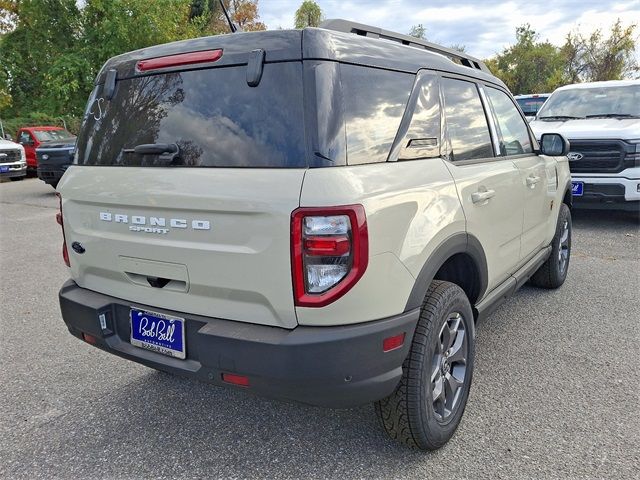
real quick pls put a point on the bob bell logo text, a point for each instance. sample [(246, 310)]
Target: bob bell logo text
[(161, 225)]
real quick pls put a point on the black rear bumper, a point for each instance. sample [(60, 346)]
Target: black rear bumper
[(327, 366)]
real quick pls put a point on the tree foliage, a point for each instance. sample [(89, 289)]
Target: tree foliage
[(418, 31), (52, 50), (597, 57), (308, 14), (530, 65), (534, 66), (8, 15)]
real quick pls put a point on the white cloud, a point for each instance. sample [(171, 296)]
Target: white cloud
[(484, 27)]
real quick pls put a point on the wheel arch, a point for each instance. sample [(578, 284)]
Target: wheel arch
[(568, 196), (459, 259)]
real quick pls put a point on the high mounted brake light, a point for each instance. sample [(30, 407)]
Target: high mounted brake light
[(181, 59), (60, 220), (329, 252)]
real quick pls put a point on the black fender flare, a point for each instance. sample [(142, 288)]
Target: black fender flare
[(457, 243), (568, 192)]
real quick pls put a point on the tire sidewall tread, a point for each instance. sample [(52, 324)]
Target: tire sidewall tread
[(406, 415)]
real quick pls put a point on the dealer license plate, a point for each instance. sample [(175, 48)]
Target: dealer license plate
[(577, 189), (158, 332)]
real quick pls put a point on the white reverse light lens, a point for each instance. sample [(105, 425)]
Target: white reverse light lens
[(323, 277), (333, 225)]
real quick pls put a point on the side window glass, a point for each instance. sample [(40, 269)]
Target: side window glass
[(420, 129), (466, 121), (24, 138), (515, 134), (374, 103)]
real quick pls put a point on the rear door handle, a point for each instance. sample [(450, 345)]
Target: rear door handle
[(482, 196), (532, 180)]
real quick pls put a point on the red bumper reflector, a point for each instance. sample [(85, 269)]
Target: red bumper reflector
[(392, 343), (89, 338), (235, 379), (206, 56)]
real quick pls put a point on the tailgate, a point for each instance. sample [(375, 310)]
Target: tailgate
[(185, 178), (213, 242)]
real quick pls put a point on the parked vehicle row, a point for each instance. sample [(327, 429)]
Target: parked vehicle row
[(47, 151)]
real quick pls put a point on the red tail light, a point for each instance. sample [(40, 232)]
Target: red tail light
[(60, 220), (206, 56), (329, 252)]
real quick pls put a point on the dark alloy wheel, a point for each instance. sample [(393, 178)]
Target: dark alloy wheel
[(449, 367), (427, 405)]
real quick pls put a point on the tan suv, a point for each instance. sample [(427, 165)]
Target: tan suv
[(309, 215)]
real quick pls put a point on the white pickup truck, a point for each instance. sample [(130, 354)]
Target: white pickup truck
[(601, 120), (13, 162)]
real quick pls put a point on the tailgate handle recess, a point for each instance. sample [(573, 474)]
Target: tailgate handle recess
[(158, 282)]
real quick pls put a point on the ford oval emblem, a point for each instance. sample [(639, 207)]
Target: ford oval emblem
[(574, 156)]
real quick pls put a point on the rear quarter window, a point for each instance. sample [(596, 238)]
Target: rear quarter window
[(214, 117), (374, 102)]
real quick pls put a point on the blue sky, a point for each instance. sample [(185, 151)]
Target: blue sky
[(485, 27)]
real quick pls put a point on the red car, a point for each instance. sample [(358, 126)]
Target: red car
[(32, 137)]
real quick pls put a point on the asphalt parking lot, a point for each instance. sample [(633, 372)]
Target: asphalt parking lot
[(555, 391)]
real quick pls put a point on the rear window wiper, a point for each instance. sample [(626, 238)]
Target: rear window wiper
[(560, 117), (167, 152), (613, 115)]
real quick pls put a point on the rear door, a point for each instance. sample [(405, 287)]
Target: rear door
[(487, 185), (183, 188), (537, 173)]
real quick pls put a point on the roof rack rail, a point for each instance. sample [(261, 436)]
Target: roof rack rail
[(346, 26)]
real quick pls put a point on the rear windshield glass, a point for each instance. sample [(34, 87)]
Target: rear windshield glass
[(530, 106), (212, 115)]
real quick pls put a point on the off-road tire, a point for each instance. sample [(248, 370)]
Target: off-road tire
[(408, 414), (551, 274)]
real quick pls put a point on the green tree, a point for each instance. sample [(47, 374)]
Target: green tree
[(8, 15), (418, 31), (209, 19), (529, 66), (43, 30), (596, 57), (51, 50), (308, 14)]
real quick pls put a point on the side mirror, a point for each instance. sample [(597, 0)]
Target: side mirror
[(554, 145)]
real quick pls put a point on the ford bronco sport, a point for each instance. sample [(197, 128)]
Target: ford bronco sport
[(317, 215), (602, 122)]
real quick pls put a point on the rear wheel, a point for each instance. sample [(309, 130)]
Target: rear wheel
[(553, 272), (426, 407)]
